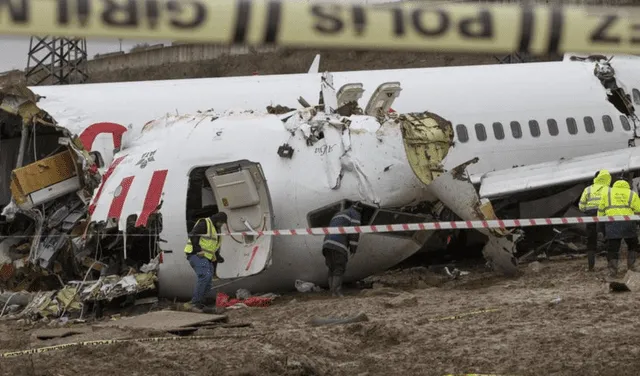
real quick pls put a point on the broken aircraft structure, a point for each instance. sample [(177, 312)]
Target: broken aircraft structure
[(53, 239), (331, 131), (47, 180)]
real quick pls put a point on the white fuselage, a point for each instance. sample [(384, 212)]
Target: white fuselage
[(463, 95)]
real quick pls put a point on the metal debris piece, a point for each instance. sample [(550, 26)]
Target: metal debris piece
[(630, 282), (163, 320)]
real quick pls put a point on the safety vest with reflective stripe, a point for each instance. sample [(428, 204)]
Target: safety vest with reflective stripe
[(208, 243), (619, 201), (590, 199)]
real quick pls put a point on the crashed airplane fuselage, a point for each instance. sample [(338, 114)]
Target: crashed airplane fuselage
[(515, 123), (269, 172)]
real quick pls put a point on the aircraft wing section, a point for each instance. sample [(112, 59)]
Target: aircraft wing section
[(542, 175)]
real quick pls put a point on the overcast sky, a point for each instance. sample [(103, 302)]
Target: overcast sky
[(15, 49)]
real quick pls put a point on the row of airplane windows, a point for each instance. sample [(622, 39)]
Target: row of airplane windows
[(534, 128)]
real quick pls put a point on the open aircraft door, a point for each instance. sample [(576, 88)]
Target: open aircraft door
[(241, 191)]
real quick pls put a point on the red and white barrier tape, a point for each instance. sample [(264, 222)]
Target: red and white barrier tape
[(497, 223)]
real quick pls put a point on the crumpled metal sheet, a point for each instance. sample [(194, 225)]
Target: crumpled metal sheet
[(111, 287), (71, 298), (53, 303)]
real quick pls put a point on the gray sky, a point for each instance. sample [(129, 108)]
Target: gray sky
[(15, 49)]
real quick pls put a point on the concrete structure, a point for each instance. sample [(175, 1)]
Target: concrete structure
[(149, 57), (160, 55)]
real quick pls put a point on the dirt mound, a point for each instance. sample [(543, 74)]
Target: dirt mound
[(294, 61)]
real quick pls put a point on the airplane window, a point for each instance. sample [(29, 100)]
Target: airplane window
[(589, 125), (625, 123), (608, 123), (481, 133), (463, 136), (572, 126), (498, 131), (553, 127), (534, 128), (516, 131), (636, 96)]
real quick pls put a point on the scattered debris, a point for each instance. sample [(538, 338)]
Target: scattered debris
[(243, 294), (630, 282), (303, 286), (150, 300), (75, 294), (222, 300), (278, 110), (535, 266), (49, 251), (555, 301)]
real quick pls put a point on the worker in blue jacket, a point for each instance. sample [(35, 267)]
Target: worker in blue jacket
[(338, 248)]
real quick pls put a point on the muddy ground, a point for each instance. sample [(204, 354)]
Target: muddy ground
[(590, 331)]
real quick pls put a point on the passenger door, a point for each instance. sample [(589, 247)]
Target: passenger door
[(241, 191)]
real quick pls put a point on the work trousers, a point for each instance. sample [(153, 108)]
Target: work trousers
[(592, 235), (613, 248), (336, 261), (204, 272), (592, 242)]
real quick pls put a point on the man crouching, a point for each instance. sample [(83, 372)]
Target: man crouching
[(338, 248)]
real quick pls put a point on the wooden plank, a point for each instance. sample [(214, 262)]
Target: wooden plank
[(164, 320)]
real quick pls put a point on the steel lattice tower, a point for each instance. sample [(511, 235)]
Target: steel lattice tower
[(57, 61)]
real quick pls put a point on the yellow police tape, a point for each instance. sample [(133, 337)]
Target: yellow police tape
[(474, 374), (461, 315), (100, 342), (494, 28)]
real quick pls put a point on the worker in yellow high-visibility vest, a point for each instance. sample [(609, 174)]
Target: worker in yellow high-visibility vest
[(203, 251), (589, 202), (620, 200)]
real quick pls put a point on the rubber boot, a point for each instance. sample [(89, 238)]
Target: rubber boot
[(591, 258), (613, 268), (631, 260), (337, 286), (331, 286), (190, 307)]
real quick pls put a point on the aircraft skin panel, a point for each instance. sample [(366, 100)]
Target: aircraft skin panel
[(543, 175)]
